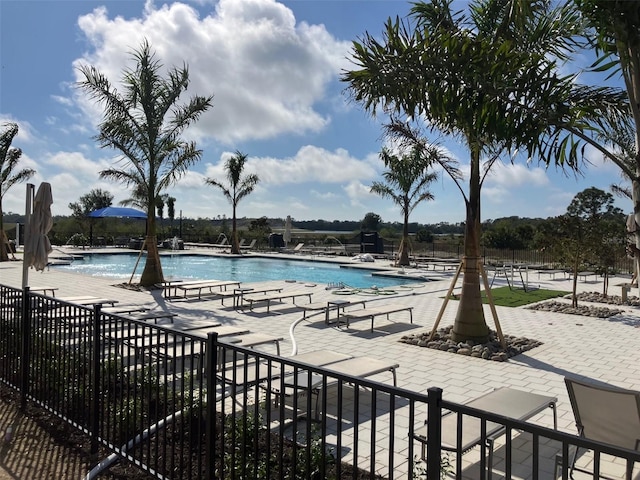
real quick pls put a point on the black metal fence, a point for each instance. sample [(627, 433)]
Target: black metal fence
[(180, 406), (622, 263)]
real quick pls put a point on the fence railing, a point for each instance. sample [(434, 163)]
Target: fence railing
[(181, 406), (621, 262)]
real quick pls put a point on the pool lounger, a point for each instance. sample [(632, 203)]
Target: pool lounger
[(87, 300), (155, 316), (125, 309), (238, 294), (341, 363), (199, 286), (240, 374), (275, 297), (374, 312)]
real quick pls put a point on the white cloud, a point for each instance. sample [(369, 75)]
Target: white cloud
[(323, 195), (77, 164), (309, 164), (66, 101), (265, 71), (357, 193), (513, 175), (597, 162)]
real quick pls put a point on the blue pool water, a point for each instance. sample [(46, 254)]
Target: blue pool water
[(245, 269)]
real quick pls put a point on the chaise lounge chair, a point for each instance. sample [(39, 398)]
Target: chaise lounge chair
[(606, 414), (373, 312), (257, 298), (224, 243), (248, 247), (508, 402), (295, 249), (302, 380)]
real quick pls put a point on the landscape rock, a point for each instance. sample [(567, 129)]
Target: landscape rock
[(582, 308), (492, 350)]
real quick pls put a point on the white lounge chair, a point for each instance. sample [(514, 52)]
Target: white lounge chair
[(250, 246), (295, 249), (199, 286), (373, 312), (274, 297)]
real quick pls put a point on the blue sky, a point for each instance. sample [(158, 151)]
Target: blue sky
[(273, 69)]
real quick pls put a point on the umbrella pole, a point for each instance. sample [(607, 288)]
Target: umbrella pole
[(27, 233)]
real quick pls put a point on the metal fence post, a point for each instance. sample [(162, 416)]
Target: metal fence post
[(434, 432), (95, 387), (25, 354), (210, 363)]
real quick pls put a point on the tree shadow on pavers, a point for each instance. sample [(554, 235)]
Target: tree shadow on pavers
[(630, 320), (204, 317), (383, 330), (526, 360)]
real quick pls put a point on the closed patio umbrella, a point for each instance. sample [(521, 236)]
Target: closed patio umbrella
[(287, 230), (36, 245)]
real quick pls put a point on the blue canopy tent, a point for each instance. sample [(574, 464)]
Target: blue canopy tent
[(114, 212), (120, 212)]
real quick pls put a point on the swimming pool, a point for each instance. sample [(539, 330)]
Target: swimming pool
[(244, 269)]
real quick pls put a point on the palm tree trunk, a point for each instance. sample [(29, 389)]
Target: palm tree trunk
[(235, 244), (152, 273), (404, 246), (470, 323), (635, 191), (4, 254)]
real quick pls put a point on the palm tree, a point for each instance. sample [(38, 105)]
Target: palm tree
[(144, 122), (406, 183), (617, 39), (9, 158), (236, 189), (491, 79)]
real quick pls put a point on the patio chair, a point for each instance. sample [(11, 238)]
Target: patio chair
[(222, 244), (295, 249), (606, 414), (250, 246)]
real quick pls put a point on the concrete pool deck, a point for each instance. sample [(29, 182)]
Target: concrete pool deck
[(602, 349)]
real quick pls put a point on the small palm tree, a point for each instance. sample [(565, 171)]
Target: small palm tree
[(9, 158), (238, 187), (144, 122), (406, 182)]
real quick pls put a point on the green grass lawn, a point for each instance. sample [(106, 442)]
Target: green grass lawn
[(506, 297)]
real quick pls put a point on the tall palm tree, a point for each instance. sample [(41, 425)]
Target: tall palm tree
[(406, 183), (616, 37), (144, 122), (489, 77), (9, 158), (236, 189)]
